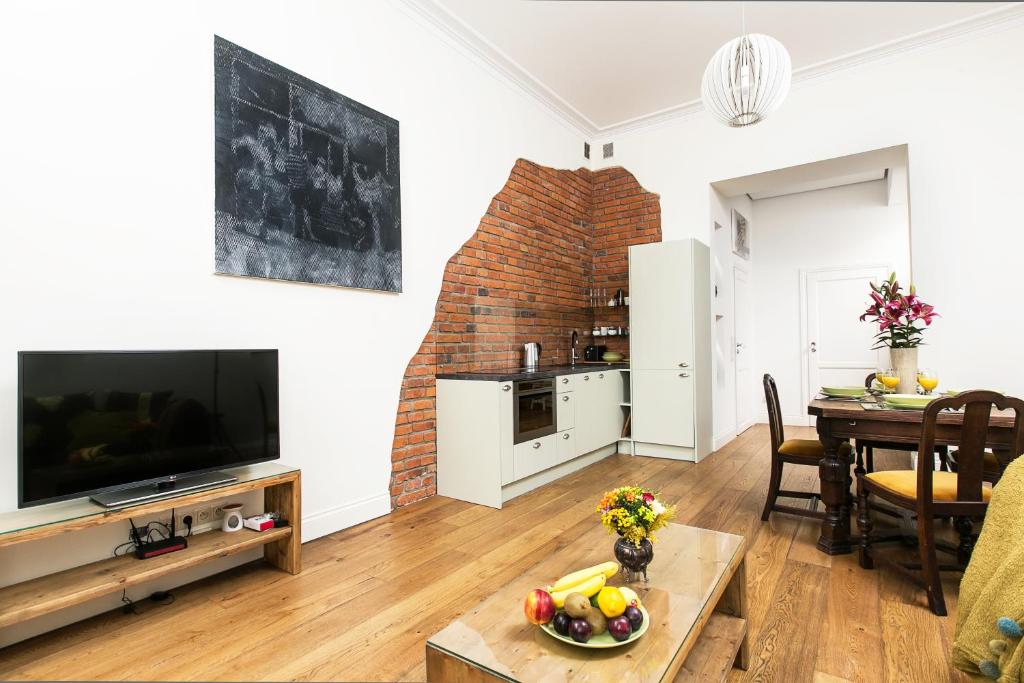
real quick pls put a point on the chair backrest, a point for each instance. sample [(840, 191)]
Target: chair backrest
[(870, 380), (771, 398), (977, 407)]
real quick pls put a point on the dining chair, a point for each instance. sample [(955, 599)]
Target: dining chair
[(962, 495), (791, 451), (866, 447)]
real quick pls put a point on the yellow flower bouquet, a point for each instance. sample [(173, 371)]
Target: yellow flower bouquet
[(634, 513)]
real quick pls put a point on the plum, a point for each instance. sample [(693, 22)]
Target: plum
[(635, 616), (620, 628), (580, 630), (561, 623)]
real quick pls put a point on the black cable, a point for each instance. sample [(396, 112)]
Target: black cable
[(129, 604)]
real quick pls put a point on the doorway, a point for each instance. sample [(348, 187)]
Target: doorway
[(745, 384), (836, 345)]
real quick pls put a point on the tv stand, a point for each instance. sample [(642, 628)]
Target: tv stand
[(19, 602), (163, 489)]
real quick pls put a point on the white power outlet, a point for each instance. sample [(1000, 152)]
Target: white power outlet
[(204, 516)]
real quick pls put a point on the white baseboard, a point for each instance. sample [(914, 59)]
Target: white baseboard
[(344, 516), (721, 440)]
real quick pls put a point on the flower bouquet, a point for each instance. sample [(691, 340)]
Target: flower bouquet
[(634, 513)]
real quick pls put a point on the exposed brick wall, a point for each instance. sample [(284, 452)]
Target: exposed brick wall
[(547, 238)]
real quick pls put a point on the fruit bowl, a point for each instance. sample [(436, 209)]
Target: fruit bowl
[(604, 640)]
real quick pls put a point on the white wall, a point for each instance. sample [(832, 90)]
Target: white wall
[(950, 103), (108, 210), (854, 225), (724, 263)]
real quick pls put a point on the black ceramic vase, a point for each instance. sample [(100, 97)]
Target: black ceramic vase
[(634, 560)]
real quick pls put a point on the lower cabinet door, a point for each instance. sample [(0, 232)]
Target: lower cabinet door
[(663, 407), (565, 415), (530, 457), (566, 445)]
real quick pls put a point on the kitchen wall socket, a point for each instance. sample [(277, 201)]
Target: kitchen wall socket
[(218, 514)]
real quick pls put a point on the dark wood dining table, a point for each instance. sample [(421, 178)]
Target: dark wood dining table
[(838, 421)]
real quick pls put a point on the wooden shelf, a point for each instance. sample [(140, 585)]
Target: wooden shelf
[(712, 657), (36, 597)]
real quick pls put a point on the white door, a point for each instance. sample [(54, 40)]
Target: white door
[(837, 345), (663, 407), (742, 348), (661, 305)]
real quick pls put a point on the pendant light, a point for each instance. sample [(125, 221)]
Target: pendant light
[(747, 79)]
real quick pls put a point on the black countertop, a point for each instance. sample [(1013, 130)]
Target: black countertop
[(543, 371)]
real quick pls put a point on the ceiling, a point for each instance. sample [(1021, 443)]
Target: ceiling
[(611, 62)]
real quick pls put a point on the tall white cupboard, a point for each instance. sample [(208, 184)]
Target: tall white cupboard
[(670, 349)]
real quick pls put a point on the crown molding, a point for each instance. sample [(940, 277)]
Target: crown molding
[(492, 58), (506, 68)]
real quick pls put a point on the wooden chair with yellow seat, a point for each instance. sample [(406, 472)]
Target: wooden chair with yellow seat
[(962, 495), (792, 451)]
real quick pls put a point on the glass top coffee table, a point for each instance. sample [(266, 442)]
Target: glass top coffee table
[(696, 598)]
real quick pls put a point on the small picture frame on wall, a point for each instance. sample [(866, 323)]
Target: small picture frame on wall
[(740, 235)]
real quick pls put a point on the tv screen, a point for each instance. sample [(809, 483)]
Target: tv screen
[(100, 421)]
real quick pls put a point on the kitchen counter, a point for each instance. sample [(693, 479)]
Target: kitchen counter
[(543, 371)]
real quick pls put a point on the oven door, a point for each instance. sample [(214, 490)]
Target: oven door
[(534, 402)]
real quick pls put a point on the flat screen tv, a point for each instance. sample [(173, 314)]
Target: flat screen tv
[(95, 422)]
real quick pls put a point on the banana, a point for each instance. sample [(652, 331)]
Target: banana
[(607, 569), (590, 587)]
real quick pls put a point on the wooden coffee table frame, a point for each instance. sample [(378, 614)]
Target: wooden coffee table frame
[(717, 642)]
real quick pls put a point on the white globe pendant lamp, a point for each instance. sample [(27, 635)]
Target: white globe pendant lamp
[(747, 79)]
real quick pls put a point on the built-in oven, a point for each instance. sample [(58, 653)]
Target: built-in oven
[(534, 401)]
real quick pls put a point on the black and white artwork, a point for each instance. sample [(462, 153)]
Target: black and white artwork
[(307, 179), (740, 235)]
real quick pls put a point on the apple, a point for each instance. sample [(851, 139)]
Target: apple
[(635, 616), (539, 606), (620, 628), (580, 630)]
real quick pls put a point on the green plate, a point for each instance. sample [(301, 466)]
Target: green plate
[(844, 392), (604, 640), (908, 401)]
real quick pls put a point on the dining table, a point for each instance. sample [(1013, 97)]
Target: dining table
[(840, 421)]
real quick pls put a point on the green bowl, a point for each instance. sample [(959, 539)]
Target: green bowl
[(602, 641)]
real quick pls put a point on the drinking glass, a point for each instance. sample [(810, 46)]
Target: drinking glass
[(888, 378), (928, 379)]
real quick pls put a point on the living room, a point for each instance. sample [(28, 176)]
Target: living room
[(479, 195)]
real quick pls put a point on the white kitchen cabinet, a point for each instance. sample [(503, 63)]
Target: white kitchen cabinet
[(565, 411), (663, 407), (598, 414), (670, 349), (477, 460), (535, 455)]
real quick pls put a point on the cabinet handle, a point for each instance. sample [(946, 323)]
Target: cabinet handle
[(684, 374), (565, 436), (536, 444), (565, 380), (565, 398), (601, 376), (684, 365), (586, 378), (506, 388)]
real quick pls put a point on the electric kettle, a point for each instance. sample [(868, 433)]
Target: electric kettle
[(531, 355)]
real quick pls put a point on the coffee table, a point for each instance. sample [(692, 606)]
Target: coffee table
[(696, 598)]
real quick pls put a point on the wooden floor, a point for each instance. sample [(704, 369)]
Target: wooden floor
[(370, 596)]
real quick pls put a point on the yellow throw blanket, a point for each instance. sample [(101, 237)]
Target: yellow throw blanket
[(990, 609)]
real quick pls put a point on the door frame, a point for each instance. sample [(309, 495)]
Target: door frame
[(740, 427), (805, 366)]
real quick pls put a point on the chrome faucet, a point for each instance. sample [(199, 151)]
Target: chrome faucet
[(572, 348)]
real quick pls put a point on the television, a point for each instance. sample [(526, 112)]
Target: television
[(124, 427)]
